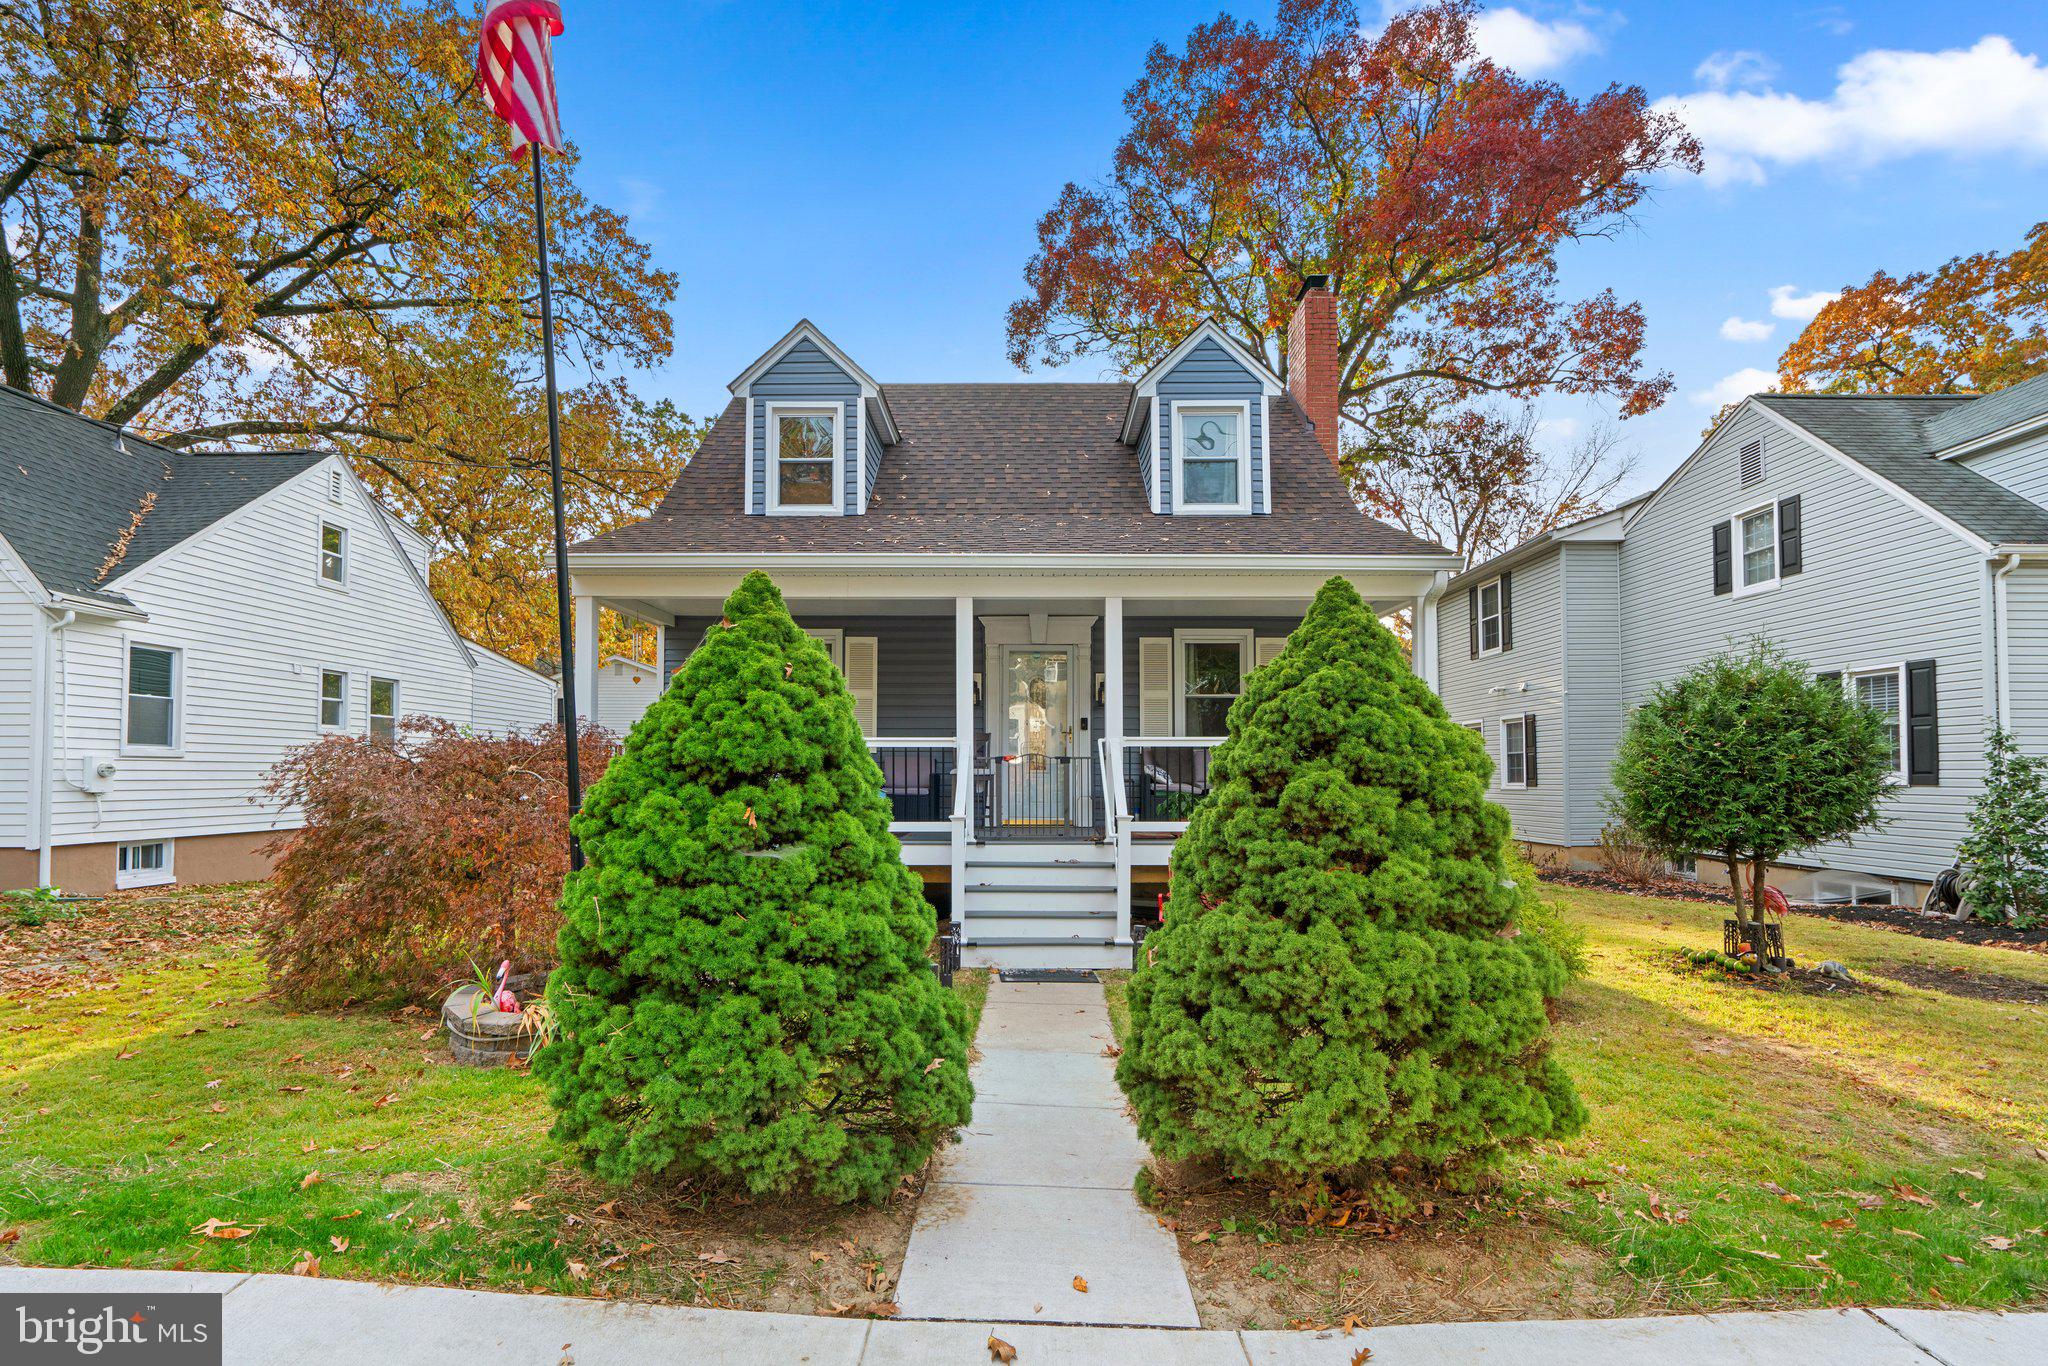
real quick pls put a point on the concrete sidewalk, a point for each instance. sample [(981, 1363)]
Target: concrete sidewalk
[(1038, 1191), (275, 1320)]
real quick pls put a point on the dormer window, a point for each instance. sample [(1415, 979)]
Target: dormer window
[(1214, 464), (803, 458)]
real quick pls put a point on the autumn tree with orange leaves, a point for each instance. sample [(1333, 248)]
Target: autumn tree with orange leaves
[(1977, 323), (292, 222), (1433, 186)]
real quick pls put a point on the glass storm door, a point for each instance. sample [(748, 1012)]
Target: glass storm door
[(1035, 778)]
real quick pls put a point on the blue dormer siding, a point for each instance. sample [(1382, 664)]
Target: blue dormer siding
[(1210, 374), (1148, 467), (805, 374)]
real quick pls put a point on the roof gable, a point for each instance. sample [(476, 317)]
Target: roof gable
[(806, 331), (1966, 424), (1206, 331)]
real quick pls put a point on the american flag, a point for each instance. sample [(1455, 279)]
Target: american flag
[(517, 69)]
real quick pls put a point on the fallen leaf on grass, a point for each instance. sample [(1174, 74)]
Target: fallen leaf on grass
[(522, 1204), (385, 1099), (12, 1235), (606, 1208), (1966, 1171), (337, 1242), (306, 1265), (312, 1178), (1754, 1252), (578, 1271), (1996, 1243), (1906, 1192), (291, 1090), (1838, 1224), (998, 1350), (123, 1057), (221, 1228), (820, 1257), (1081, 1284), (717, 1258)]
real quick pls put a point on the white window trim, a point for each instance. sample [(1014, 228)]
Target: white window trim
[(1184, 636), (833, 638), (1735, 551), (1520, 723), (370, 702), (1479, 601), (1243, 505), (320, 700), (339, 585), (771, 441), (1897, 670), (176, 748), (146, 877)]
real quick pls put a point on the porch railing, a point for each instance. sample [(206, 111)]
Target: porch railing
[(1039, 796), (920, 778), (1164, 778)]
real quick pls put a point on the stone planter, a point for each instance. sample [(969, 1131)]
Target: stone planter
[(490, 1038)]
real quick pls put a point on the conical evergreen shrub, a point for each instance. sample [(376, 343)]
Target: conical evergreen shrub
[(743, 992), (1341, 983)]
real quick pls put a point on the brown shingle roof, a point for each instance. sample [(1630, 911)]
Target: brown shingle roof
[(1023, 468)]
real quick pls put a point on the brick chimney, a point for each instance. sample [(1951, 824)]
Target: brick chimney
[(1312, 358)]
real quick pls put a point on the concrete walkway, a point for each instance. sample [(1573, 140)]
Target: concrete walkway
[(288, 1321), (1038, 1192)]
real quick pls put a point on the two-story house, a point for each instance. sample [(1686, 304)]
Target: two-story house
[(171, 623), (1044, 596), (1897, 544)]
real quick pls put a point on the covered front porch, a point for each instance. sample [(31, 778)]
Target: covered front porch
[(1042, 736)]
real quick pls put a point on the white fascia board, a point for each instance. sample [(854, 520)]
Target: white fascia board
[(1148, 383), (508, 660), (601, 561), (15, 569), (2026, 426)]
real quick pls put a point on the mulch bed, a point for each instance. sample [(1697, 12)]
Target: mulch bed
[(1901, 918), (1801, 981), (1978, 986)]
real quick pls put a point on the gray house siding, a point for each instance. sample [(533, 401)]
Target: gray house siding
[(1137, 628), (1526, 679), (2021, 466), (1208, 374), (1592, 677), (804, 374), (2026, 603), (1882, 584), (913, 666)]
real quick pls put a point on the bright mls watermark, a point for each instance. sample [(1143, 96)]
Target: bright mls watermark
[(166, 1330)]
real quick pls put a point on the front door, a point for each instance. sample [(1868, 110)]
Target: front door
[(1035, 777)]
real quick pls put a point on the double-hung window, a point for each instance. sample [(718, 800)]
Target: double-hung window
[(152, 711), (803, 458), (1212, 668), (1883, 692), (384, 709), (333, 699), (1514, 746), (1490, 618), (333, 554), (1212, 443), (1756, 541)]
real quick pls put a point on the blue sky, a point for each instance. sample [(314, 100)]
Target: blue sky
[(878, 167)]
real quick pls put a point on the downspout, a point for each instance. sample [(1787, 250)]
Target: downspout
[(1999, 610), (59, 718)]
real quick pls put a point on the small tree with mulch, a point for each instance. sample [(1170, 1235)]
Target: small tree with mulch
[(744, 994), (1343, 983), (2005, 856), (1750, 757)]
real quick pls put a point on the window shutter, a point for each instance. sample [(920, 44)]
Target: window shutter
[(1790, 560), (1472, 617), (1529, 750), (1507, 613), (1155, 685), (1266, 649), (1724, 559), (1923, 732), (1832, 676), (861, 667)]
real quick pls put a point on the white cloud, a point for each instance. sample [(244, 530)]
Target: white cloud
[(1531, 46), (1788, 302), (1743, 330), (1722, 70), (1986, 100), (1736, 387)]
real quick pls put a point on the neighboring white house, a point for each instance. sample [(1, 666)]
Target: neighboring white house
[(1044, 596), (1899, 544), (171, 623), (626, 688)]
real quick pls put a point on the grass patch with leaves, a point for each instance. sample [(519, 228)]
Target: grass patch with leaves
[(1746, 1148), (152, 1089)]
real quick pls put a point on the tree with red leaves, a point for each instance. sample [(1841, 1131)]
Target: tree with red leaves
[(1434, 188)]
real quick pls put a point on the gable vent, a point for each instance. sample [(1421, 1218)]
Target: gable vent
[(334, 485), (1752, 463)]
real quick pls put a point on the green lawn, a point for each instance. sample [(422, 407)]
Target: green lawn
[(1766, 1148), (138, 1103)]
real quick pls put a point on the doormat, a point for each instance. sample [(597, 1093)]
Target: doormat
[(1047, 974)]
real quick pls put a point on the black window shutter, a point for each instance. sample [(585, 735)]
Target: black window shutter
[(1789, 557), (1923, 732), (1507, 614), (1529, 749), (1472, 617), (1833, 678), (1724, 559)]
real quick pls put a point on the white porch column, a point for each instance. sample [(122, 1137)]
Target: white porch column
[(584, 639), (963, 735), (1113, 729)]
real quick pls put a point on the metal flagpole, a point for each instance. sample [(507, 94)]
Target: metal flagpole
[(563, 614)]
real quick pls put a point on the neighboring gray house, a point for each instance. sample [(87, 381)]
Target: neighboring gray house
[(1031, 588), (1898, 543)]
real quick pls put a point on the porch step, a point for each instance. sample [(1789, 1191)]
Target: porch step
[(1044, 888), (1022, 952), (1097, 913)]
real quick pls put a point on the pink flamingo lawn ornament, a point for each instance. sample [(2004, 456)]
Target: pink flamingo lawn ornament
[(503, 999)]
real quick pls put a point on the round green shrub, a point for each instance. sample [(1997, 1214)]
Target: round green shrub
[(1343, 982), (744, 993)]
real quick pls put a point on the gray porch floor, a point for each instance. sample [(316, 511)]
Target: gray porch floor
[(1038, 1192)]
